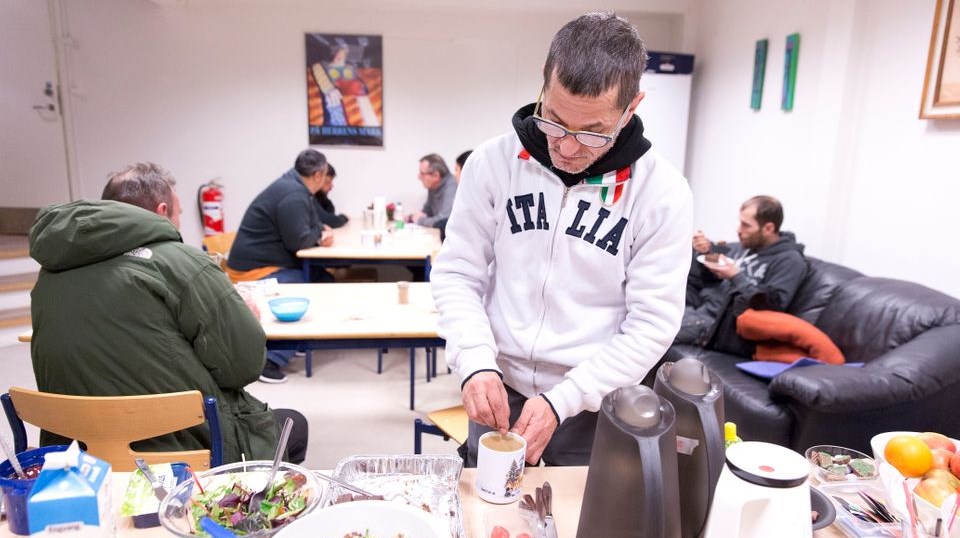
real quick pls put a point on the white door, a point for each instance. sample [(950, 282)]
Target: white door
[(33, 164)]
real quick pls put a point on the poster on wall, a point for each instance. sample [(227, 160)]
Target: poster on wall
[(345, 89), (941, 85), (759, 70), (791, 55)]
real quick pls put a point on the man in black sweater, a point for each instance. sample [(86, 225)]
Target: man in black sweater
[(326, 211), (764, 270)]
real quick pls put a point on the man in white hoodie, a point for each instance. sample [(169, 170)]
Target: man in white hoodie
[(563, 274)]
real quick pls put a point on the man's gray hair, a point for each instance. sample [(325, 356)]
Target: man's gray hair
[(435, 163), (596, 52), (145, 185)]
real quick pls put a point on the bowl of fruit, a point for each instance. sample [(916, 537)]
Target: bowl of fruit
[(925, 464)]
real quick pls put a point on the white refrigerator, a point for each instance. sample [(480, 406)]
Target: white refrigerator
[(665, 112)]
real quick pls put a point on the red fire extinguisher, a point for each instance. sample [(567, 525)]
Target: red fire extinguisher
[(210, 202)]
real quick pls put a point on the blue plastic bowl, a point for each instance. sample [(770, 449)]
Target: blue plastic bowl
[(289, 308)]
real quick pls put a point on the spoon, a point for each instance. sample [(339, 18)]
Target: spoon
[(350, 487), (12, 456), (256, 498)]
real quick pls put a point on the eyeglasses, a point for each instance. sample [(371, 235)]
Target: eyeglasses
[(587, 138)]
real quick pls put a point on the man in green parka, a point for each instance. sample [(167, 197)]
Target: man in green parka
[(123, 307)]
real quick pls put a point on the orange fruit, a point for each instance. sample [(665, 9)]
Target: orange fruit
[(909, 455)]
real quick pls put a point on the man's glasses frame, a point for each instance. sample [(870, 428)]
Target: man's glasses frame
[(587, 138)]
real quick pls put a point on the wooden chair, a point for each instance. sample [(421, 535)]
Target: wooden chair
[(218, 246), (450, 423), (108, 424)]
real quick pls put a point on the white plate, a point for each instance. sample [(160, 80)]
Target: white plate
[(383, 519), (703, 259), (879, 442)]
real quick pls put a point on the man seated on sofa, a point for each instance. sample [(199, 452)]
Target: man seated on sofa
[(764, 270)]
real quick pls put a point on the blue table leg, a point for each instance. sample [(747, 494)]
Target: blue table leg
[(426, 357), (380, 360), (306, 269), (309, 361), (413, 372)]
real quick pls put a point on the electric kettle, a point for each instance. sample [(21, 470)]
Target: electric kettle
[(762, 493), (632, 488), (697, 398)]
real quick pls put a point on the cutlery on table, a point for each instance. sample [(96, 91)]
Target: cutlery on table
[(878, 507), (256, 498), (158, 489), (857, 511), (551, 526), (529, 505)]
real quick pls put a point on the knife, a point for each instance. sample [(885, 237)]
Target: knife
[(148, 474), (548, 502)]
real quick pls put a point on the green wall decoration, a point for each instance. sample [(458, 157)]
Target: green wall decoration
[(790, 71), (759, 71)]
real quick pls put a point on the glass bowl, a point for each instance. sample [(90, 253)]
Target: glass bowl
[(289, 308), (837, 464), (183, 507)]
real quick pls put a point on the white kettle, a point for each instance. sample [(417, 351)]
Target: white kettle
[(762, 493)]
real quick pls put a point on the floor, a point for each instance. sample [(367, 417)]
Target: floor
[(351, 409)]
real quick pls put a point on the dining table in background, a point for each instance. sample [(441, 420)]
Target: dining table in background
[(410, 246), (357, 316)]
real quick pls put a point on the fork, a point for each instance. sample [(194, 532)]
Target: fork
[(527, 504)]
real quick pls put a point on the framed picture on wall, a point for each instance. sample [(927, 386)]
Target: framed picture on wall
[(791, 56), (941, 85), (759, 70), (344, 89)]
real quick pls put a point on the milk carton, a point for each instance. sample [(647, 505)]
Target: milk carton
[(72, 496)]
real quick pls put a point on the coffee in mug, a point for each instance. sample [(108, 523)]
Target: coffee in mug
[(500, 467), (501, 443)]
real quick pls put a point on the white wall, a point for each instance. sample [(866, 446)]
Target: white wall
[(212, 89), (863, 181)]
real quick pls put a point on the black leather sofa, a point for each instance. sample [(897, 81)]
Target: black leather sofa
[(907, 334)]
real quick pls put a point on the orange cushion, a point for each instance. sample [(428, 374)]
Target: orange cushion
[(771, 328)]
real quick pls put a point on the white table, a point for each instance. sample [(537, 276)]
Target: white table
[(413, 245), (567, 482), (358, 316)]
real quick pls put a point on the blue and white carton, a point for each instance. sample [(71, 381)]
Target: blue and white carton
[(72, 496)]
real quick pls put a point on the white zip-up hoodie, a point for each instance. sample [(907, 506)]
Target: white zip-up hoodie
[(561, 291)]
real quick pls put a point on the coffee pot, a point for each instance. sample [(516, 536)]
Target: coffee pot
[(762, 492), (631, 488), (697, 398)]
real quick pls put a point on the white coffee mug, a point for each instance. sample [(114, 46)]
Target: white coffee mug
[(500, 467)]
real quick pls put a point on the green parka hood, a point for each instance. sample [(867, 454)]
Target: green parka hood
[(66, 236)]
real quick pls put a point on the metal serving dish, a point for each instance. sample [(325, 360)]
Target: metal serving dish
[(431, 483)]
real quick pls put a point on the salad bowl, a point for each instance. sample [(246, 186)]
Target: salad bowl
[(223, 493)]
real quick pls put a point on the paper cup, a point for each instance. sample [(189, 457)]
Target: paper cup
[(500, 467), (403, 292)]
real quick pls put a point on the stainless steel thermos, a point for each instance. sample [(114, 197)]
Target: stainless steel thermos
[(697, 398), (632, 488)]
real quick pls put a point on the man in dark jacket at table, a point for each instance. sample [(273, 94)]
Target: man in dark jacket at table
[(325, 208), (122, 307), (281, 220)]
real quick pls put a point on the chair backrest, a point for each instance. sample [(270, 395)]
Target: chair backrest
[(220, 243), (218, 246), (108, 424)]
